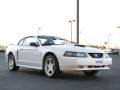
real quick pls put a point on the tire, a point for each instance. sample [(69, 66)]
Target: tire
[(90, 72), (51, 66), (11, 63)]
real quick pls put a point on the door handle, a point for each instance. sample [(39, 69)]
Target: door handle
[(21, 49)]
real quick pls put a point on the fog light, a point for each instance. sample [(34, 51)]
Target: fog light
[(108, 65)]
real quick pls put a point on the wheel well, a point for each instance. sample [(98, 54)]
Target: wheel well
[(10, 54), (50, 53)]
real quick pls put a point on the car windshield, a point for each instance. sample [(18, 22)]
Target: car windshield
[(50, 40)]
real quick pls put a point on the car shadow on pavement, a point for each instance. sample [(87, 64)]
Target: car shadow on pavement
[(62, 76), (78, 76)]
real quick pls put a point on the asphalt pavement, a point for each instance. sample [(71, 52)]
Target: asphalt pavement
[(30, 79)]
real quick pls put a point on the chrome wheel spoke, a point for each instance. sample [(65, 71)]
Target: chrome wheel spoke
[(49, 66), (11, 63)]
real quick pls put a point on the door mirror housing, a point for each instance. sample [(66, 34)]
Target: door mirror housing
[(34, 44)]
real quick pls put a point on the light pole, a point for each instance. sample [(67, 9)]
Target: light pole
[(109, 34), (119, 28), (71, 21), (38, 30), (77, 32)]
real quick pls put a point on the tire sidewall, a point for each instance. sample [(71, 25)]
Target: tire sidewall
[(14, 68)]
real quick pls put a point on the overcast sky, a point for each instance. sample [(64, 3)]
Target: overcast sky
[(98, 18)]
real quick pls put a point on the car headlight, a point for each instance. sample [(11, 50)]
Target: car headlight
[(74, 54), (106, 55)]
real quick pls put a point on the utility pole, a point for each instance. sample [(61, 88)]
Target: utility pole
[(77, 22)]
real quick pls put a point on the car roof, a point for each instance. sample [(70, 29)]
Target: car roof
[(48, 36)]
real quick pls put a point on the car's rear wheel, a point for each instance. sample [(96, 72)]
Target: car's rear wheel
[(11, 63), (90, 72), (50, 66)]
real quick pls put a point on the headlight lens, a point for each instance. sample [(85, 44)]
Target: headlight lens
[(106, 55), (74, 54)]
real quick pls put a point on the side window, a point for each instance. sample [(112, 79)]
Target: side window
[(45, 41), (21, 42), (28, 40), (42, 40)]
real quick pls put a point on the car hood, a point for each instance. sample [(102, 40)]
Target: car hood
[(77, 48)]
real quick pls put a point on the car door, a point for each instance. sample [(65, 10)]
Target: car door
[(29, 55)]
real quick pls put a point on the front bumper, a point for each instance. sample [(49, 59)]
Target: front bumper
[(71, 63)]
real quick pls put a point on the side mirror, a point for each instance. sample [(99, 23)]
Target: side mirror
[(33, 44)]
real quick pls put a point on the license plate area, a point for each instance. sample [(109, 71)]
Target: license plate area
[(99, 62)]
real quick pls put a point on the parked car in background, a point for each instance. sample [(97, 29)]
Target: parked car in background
[(115, 51), (53, 54), (108, 51)]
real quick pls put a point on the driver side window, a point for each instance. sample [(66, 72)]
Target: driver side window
[(29, 40)]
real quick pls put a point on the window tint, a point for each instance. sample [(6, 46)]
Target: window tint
[(28, 40), (42, 40), (45, 41), (49, 40)]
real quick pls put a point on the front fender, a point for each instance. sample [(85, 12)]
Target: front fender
[(10, 51)]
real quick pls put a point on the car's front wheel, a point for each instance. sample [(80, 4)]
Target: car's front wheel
[(90, 72), (50, 66), (11, 63)]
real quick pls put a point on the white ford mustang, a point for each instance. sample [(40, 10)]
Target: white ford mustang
[(53, 54)]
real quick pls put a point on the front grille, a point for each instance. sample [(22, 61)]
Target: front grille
[(96, 55)]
